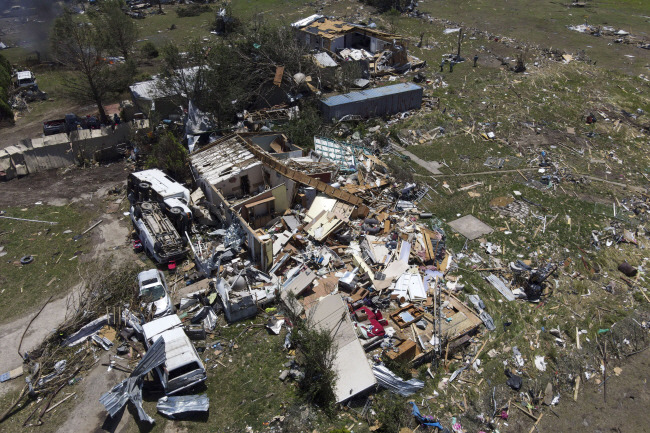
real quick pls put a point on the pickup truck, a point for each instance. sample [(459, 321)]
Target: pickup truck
[(70, 123)]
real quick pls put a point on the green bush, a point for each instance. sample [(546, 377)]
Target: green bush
[(170, 155), (5, 111), (315, 351), (149, 50), (301, 130), (5, 80), (5, 83)]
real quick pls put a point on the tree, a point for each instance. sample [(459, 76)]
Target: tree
[(301, 130), (117, 31), (5, 83), (315, 352), (184, 73), (236, 72), (78, 46), (169, 155)]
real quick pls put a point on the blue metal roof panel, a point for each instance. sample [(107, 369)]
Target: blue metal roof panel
[(364, 95)]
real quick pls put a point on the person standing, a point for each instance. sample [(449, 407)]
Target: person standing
[(475, 59)]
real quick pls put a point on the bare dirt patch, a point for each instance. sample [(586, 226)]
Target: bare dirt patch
[(628, 397), (60, 187)]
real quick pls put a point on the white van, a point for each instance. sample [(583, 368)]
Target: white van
[(155, 185), (183, 367), (25, 79)]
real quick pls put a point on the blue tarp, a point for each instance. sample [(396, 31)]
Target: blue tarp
[(426, 420)]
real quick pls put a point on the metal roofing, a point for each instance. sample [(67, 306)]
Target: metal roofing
[(171, 406), (365, 95), (149, 90), (306, 21), (350, 363), (156, 327), (324, 60), (24, 75), (223, 160), (131, 387), (179, 349), (157, 88)]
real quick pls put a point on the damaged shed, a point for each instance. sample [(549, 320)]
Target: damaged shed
[(318, 31), (381, 101)]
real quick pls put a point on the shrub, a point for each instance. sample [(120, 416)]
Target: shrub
[(170, 155), (315, 351), (5, 83), (149, 50), (301, 130)]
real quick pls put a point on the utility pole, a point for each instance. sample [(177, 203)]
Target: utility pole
[(460, 39)]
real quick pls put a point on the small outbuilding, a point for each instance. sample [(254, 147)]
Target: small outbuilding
[(380, 101)]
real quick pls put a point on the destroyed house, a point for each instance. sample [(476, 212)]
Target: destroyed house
[(322, 33), (253, 190), (246, 185), (163, 96)]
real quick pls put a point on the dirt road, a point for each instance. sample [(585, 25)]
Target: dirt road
[(625, 411)]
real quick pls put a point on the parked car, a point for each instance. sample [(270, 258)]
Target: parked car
[(25, 79), (153, 291), (70, 123)]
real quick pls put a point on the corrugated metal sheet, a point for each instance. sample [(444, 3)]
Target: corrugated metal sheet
[(394, 383), (501, 287), (373, 102), (131, 387), (173, 406)]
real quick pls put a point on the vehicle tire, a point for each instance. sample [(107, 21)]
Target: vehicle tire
[(146, 206), (176, 214), (25, 260), (145, 190)]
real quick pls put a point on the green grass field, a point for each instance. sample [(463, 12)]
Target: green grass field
[(54, 270)]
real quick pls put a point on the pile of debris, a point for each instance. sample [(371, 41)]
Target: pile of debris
[(619, 36)]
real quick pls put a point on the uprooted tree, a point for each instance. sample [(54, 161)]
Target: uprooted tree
[(238, 72)]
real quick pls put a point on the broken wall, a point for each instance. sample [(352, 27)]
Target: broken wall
[(90, 143), (260, 247)]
